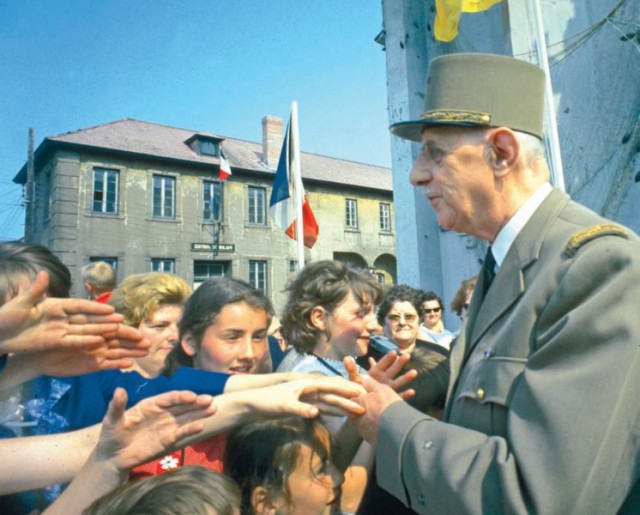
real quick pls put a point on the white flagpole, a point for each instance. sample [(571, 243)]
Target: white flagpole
[(555, 158), (295, 170)]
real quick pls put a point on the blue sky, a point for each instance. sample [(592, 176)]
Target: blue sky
[(211, 65)]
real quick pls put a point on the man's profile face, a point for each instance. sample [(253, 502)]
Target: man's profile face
[(454, 176)]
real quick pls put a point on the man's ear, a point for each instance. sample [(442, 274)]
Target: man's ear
[(187, 344), (504, 151), (260, 501), (319, 318)]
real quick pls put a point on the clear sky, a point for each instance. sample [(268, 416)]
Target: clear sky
[(208, 65)]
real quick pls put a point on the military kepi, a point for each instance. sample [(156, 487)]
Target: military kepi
[(480, 90)]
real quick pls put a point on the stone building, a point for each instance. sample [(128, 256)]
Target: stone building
[(145, 196)]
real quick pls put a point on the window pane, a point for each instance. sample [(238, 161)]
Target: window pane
[(163, 265), (113, 261), (385, 217), (351, 214), (258, 275), (212, 201), (209, 148), (163, 196), (257, 205), (157, 196), (105, 190)]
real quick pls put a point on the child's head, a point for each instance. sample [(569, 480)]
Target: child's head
[(19, 265), (189, 490), (98, 277), (330, 302), (283, 464), (224, 329)]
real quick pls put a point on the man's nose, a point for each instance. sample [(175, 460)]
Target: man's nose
[(420, 172)]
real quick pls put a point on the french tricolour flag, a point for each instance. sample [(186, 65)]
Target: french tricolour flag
[(282, 204), (225, 169)]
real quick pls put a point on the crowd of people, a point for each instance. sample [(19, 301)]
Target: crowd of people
[(149, 397)]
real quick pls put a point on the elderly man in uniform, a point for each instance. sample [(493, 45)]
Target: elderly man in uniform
[(543, 413)]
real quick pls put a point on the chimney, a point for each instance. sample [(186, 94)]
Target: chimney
[(272, 137)]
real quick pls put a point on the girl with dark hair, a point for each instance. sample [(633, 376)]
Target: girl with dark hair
[(329, 316), (284, 466), (223, 329)]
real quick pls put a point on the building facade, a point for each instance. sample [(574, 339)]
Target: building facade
[(147, 197)]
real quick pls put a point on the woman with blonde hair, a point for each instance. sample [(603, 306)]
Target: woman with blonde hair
[(152, 303)]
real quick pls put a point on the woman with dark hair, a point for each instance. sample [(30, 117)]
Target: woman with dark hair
[(399, 315), (432, 329)]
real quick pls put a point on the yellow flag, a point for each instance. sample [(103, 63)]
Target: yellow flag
[(448, 15)]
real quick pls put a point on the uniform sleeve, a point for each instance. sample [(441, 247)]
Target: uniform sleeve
[(572, 414)]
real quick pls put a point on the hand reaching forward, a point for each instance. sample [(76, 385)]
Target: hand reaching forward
[(385, 372), (150, 428), (378, 398), (306, 397), (28, 323)]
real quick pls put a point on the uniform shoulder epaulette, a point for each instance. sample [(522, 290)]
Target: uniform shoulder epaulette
[(580, 238)]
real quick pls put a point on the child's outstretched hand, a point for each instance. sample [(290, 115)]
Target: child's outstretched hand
[(385, 372)]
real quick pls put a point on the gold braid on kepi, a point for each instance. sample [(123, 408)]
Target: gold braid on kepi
[(580, 238)]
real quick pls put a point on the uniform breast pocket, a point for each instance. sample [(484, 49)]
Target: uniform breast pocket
[(482, 400)]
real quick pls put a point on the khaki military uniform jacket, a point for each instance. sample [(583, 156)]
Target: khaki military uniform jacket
[(544, 405)]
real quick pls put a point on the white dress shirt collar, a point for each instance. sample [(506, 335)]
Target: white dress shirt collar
[(510, 231)]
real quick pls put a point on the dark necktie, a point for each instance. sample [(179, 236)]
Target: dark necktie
[(489, 270)]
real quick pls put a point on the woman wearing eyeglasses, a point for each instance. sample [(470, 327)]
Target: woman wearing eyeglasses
[(399, 315), (432, 328)]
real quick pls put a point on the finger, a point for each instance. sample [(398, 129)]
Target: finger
[(34, 293), (173, 398), (407, 394), (186, 413), (352, 370), (387, 360), (372, 363), (342, 388), (344, 406), (189, 430), (301, 409), (402, 381), (88, 328), (94, 318), (78, 343), (117, 407), (397, 365), (84, 307)]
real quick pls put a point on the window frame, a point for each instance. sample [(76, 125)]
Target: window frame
[(351, 213), (259, 279), (210, 187), (385, 216), (164, 180), (203, 145), (257, 214), (163, 261), (104, 201)]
